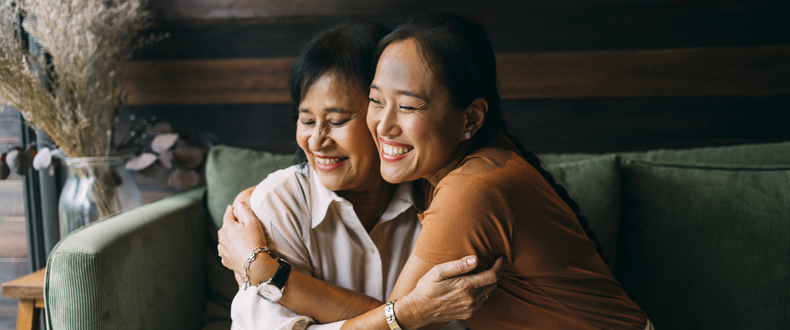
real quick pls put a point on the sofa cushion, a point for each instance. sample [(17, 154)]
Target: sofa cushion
[(594, 183), (757, 154), (708, 246), (229, 170)]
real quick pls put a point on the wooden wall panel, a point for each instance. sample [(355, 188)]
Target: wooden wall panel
[(237, 9), (551, 125), (755, 71), (712, 25)]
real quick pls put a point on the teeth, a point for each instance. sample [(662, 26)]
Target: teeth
[(395, 151), (327, 161)]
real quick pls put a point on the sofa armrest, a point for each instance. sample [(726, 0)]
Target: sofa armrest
[(143, 268)]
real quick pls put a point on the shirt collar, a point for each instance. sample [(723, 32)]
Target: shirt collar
[(322, 198)]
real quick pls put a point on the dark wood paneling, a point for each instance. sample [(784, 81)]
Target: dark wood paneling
[(224, 81), (605, 125), (264, 127), (753, 71), (676, 26), (217, 9), (744, 71), (580, 125)]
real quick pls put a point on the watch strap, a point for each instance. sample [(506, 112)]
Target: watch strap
[(281, 275), (389, 314)]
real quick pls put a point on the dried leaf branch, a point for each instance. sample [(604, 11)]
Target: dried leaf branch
[(73, 92)]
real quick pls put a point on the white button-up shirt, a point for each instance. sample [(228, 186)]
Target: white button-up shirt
[(319, 233)]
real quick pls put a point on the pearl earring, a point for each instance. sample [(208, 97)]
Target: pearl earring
[(468, 135)]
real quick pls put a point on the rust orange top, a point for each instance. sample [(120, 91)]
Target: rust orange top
[(496, 204)]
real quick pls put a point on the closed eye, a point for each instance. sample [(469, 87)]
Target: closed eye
[(375, 101)]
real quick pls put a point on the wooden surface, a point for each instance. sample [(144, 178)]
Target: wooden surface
[(745, 71), (615, 28), (214, 9), (30, 286)]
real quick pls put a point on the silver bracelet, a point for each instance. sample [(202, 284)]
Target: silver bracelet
[(389, 313), (247, 262)]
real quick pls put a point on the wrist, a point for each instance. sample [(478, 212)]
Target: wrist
[(408, 314), (262, 269)]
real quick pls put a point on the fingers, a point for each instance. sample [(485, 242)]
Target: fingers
[(487, 277), (498, 267), (228, 218), (454, 268)]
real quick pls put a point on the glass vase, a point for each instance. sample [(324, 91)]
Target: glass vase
[(96, 188)]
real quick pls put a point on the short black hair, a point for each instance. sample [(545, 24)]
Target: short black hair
[(347, 49)]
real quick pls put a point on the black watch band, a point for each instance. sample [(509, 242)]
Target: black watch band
[(281, 275)]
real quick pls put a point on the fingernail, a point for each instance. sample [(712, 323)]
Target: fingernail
[(471, 261), (243, 203)]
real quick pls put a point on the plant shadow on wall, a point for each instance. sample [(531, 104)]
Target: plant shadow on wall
[(61, 65)]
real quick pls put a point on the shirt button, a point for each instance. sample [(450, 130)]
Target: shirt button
[(372, 250)]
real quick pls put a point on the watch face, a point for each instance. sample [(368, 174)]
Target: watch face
[(269, 292)]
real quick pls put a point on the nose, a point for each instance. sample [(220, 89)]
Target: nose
[(388, 122), (319, 138)]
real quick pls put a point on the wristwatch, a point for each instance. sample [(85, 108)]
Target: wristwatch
[(272, 290)]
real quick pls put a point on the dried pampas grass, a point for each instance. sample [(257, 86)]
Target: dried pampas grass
[(72, 93)]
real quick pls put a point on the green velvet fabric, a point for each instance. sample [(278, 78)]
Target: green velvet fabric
[(594, 183), (757, 154), (229, 170), (708, 246), (140, 269)]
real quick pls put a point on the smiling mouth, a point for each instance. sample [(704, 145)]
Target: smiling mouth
[(329, 161), (395, 151)]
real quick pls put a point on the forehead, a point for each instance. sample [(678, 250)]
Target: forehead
[(330, 94), (401, 67)]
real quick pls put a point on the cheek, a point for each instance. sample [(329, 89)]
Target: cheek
[(302, 138)]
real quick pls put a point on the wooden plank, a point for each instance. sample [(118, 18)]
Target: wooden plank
[(742, 71), (223, 81), (606, 125), (544, 125), (26, 314), (13, 238), (258, 126), (218, 9), (30, 286), (632, 27)]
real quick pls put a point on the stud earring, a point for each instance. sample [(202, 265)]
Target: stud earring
[(468, 135)]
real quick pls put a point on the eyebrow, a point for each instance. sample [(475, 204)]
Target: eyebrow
[(402, 92), (333, 110)]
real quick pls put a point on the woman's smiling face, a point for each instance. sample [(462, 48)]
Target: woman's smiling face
[(331, 130), (415, 127)]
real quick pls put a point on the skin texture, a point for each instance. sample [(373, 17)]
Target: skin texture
[(408, 106), (332, 123)]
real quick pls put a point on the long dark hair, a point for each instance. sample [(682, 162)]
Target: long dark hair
[(460, 57), (347, 49)]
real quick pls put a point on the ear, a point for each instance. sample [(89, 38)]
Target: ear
[(475, 115)]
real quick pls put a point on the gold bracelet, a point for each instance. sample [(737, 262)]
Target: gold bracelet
[(389, 313)]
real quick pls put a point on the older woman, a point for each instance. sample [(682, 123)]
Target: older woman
[(333, 219)]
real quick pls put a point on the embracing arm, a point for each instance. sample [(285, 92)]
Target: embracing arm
[(303, 293), (441, 296), (429, 295)]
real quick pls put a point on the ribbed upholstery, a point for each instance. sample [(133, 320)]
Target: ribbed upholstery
[(708, 246), (594, 183), (229, 170), (140, 269)]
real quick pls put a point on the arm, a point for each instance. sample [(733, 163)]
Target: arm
[(468, 218), (309, 296), (238, 238)]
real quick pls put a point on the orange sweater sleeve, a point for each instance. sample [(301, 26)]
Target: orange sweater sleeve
[(468, 216)]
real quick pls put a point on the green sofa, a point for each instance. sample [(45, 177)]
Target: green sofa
[(700, 238)]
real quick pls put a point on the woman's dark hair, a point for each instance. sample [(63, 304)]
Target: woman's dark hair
[(460, 57), (347, 49)]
